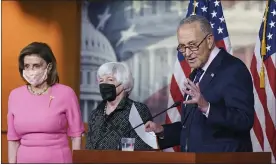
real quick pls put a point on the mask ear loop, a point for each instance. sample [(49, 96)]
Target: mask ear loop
[(118, 86)]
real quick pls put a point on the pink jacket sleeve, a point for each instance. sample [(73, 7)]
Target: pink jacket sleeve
[(73, 114), (11, 135)]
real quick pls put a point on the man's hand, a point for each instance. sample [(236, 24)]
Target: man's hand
[(153, 127), (197, 98)]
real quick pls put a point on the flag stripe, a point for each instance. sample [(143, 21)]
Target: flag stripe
[(261, 93), (227, 45), (177, 96), (255, 142), (259, 111), (180, 74), (259, 132), (273, 59), (270, 68), (173, 114), (220, 44), (184, 65), (268, 86), (267, 95)]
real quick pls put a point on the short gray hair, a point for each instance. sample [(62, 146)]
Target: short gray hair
[(120, 71), (204, 23)]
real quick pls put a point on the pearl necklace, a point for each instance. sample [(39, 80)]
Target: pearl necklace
[(37, 93)]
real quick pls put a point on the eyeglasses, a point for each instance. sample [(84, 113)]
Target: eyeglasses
[(182, 48)]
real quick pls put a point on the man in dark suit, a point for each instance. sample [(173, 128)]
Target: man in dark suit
[(218, 111)]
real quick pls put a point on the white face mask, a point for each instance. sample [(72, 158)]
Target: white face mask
[(35, 77)]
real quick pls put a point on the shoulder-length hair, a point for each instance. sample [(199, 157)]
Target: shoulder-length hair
[(43, 51)]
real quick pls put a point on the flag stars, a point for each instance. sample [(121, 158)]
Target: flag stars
[(204, 9), (214, 14), (216, 3), (103, 19), (269, 36), (272, 24), (220, 30), (268, 48), (127, 34), (273, 12), (212, 24), (222, 19)]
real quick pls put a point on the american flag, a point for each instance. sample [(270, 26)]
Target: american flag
[(212, 10), (141, 34), (263, 134)]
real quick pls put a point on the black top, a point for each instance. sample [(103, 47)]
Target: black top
[(106, 131)]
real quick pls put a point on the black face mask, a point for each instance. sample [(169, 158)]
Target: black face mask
[(108, 91)]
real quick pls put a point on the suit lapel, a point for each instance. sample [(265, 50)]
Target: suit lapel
[(211, 71)]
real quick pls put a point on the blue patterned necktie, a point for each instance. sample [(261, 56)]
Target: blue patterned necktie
[(199, 73)]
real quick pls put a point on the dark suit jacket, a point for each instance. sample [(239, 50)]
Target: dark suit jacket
[(227, 86)]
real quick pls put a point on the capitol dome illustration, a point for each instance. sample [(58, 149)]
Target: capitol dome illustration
[(95, 51)]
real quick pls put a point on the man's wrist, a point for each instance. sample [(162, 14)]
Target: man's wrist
[(207, 112), (204, 108), (160, 135)]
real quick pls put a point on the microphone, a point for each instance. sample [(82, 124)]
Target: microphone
[(177, 103)]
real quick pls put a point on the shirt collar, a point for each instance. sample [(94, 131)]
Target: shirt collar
[(213, 54)]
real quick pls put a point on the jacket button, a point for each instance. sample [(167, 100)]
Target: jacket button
[(184, 126)]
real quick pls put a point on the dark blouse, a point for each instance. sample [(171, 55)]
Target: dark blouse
[(106, 131)]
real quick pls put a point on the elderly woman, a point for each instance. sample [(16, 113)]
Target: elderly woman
[(42, 113), (110, 121)]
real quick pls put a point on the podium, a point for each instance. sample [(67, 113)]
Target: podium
[(111, 156)]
